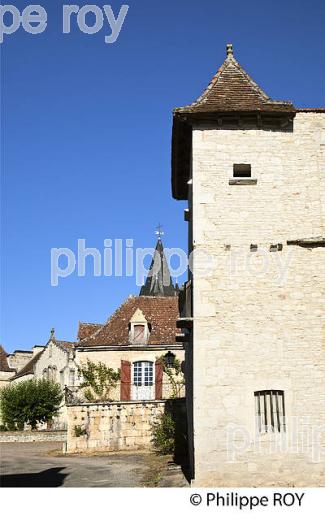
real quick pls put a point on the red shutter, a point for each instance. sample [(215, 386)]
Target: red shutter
[(125, 381), (158, 379)]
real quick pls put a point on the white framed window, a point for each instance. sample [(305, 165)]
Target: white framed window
[(143, 373), (270, 411)]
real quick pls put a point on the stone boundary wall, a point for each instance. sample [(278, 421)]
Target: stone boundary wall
[(116, 426), (28, 436)]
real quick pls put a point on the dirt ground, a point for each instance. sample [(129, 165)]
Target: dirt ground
[(43, 465)]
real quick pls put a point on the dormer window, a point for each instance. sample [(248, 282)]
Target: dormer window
[(139, 333), (139, 329)]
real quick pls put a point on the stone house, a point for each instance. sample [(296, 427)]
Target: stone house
[(137, 335), (253, 172), (133, 340)]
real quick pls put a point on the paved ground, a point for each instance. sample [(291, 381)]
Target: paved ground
[(42, 465)]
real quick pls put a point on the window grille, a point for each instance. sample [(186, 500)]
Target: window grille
[(270, 411)]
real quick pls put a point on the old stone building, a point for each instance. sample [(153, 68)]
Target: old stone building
[(133, 340), (253, 172), (139, 333)]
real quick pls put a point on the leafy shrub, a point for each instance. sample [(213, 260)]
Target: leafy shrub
[(29, 402), (175, 375), (79, 431), (163, 434)]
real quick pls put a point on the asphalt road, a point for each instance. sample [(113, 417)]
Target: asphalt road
[(42, 465)]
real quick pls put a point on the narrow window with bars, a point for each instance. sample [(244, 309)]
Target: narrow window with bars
[(270, 411)]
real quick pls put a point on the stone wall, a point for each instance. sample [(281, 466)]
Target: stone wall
[(121, 426), (19, 359), (4, 378), (28, 436), (259, 315)]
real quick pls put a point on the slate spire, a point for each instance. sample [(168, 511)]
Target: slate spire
[(159, 281)]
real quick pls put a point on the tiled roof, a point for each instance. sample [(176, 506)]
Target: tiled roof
[(233, 90), (86, 329), (161, 312), (29, 367), (65, 344), (4, 367)]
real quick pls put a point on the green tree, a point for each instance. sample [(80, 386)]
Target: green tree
[(99, 380), (163, 434), (29, 402)]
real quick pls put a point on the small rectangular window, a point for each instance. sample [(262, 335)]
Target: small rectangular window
[(270, 411), (242, 170), (139, 332), (71, 378)]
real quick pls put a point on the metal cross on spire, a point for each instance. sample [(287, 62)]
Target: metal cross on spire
[(159, 231)]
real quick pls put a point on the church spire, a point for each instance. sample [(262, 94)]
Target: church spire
[(159, 281)]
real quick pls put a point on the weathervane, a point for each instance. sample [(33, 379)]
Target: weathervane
[(159, 231)]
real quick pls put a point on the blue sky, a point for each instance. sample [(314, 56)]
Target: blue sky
[(86, 131)]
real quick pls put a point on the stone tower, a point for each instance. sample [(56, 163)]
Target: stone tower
[(253, 172)]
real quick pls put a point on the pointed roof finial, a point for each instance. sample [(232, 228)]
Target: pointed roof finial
[(52, 333), (159, 231), (230, 50)]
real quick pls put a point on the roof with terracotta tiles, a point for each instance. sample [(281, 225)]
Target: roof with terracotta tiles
[(160, 312), (87, 329), (233, 90)]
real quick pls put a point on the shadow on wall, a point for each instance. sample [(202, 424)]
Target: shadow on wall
[(177, 409), (48, 478)]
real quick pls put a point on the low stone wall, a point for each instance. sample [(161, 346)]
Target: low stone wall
[(28, 436), (118, 426)]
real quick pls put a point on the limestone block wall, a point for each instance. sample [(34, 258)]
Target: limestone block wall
[(4, 378), (29, 436), (124, 426), (259, 315)]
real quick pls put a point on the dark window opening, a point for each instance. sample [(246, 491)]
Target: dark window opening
[(242, 170)]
